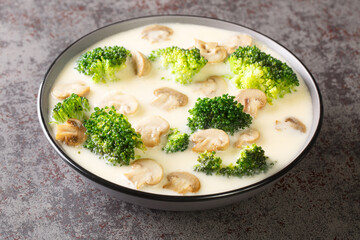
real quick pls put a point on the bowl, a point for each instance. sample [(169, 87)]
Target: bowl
[(170, 202)]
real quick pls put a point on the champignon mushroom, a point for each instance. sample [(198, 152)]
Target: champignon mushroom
[(296, 124), (182, 182), (141, 64), (156, 33), (211, 51), (212, 86), (72, 133), (123, 103), (236, 41), (65, 90), (252, 99), (210, 140), (151, 129), (248, 136), (292, 122), (169, 99), (145, 171)]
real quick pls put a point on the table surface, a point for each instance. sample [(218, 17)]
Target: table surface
[(41, 197)]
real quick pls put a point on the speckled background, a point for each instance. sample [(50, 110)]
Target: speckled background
[(43, 198)]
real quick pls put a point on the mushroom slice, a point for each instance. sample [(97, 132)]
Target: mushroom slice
[(211, 51), (212, 86), (145, 171), (252, 99), (72, 133), (296, 124), (65, 90), (169, 99), (156, 33), (182, 182), (151, 129), (210, 140), (292, 122), (141, 64), (236, 41), (248, 136), (123, 103)]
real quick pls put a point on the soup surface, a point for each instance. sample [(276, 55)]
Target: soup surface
[(280, 146)]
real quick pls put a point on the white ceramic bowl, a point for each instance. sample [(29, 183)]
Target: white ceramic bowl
[(166, 202)]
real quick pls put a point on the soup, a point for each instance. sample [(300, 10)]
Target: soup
[(281, 144)]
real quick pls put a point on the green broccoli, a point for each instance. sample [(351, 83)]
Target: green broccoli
[(221, 112), (72, 107), (208, 163), (252, 161), (253, 68), (103, 63), (111, 135), (183, 63), (176, 141)]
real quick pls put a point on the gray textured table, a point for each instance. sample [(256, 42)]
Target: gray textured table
[(43, 198)]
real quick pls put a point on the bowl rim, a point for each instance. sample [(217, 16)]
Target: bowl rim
[(174, 198)]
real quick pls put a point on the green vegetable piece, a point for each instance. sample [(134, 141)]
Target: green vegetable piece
[(103, 63), (221, 112), (183, 63), (208, 163), (176, 141), (72, 107), (111, 135), (252, 161), (253, 68)]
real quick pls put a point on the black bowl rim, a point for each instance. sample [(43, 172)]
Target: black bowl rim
[(174, 198)]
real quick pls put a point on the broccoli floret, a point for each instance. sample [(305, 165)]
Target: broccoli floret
[(208, 163), (103, 63), (253, 68), (111, 135), (252, 161), (176, 141), (221, 112), (183, 63), (72, 107)]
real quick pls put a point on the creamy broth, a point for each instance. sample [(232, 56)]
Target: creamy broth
[(280, 146)]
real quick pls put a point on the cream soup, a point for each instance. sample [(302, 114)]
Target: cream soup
[(280, 146)]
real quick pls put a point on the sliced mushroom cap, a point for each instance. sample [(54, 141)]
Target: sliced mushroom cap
[(141, 64), (292, 122), (145, 172), (212, 86), (151, 129), (211, 51), (182, 182), (252, 100), (296, 124), (236, 41), (169, 99), (156, 33), (65, 90), (72, 133), (210, 140), (248, 136), (123, 103)]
